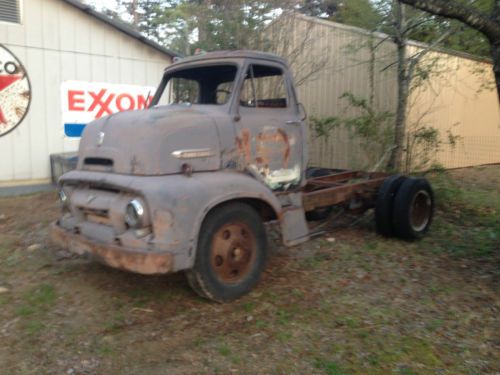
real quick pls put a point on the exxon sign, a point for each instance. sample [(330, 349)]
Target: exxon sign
[(83, 102)]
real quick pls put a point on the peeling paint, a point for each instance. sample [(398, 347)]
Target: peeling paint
[(272, 146), (277, 179)]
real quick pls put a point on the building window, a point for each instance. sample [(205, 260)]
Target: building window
[(10, 11)]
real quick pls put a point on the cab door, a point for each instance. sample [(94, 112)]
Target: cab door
[(269, 129)]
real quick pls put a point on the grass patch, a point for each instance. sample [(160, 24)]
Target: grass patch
[(37, 301), (329, 367), (467, 222), (283, 317), (44, 295), (116, 322), (33, 327), (249, 307), (315, 261), (434, 324), (224, 350), (104, 349), (284, 337)]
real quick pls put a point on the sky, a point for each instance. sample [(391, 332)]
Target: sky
[(102, 4)]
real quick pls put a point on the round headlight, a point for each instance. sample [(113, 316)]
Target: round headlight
[(63, 197), (64, 200), (134, 214)]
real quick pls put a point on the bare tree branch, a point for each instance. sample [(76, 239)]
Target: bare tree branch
[(461, 12)]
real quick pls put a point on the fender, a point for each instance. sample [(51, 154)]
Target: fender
[(178, 204)]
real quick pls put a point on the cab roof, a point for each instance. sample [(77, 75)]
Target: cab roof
[(239, 54)]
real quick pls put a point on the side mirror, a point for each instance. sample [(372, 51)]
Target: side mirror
[(302, 111)]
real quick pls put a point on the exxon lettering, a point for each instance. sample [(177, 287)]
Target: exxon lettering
[(103, 102)]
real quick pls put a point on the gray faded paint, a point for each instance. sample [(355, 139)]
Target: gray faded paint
[(135, 154)]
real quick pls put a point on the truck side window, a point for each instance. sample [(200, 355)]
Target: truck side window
[(264, 87)]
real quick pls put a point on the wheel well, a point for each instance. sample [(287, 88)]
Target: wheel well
[(264, 209)]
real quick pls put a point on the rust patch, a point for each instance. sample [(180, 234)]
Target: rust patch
[(272, 146), (287, 142), (247, 150), (115, 256), (243, 145), (163, 220)]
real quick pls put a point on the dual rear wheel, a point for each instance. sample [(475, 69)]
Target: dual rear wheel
[(404, 207)]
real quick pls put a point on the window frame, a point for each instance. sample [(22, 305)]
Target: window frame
[(290, 98), (164, 85)]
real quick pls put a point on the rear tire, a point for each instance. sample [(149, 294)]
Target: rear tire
[(384, 205), (413, 209), (231, 254)]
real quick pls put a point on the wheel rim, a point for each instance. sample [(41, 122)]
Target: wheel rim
[(421, 209), (233, 252)]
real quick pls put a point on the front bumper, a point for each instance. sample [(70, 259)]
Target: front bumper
[(134, 260)]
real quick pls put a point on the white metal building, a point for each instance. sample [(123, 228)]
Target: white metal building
[(72, 62)]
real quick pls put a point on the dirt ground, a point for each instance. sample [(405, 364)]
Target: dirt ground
[(349, 302)]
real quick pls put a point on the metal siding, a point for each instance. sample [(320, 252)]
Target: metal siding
[(33, 23), (54, 62), (345, 71), (20, 137), (455, 96), (57, 42), (37, 126), (455, 100), (50, 29)]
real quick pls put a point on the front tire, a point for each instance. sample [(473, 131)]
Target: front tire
[(231, 254)]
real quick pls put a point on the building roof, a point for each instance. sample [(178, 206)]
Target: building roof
[(121, 26)]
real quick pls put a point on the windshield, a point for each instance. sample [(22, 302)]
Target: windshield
[(211, 85)]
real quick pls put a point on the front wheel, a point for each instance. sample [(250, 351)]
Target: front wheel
[(231, 254)]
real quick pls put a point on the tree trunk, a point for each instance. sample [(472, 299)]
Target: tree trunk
[(400, 125), (403, 88), (495, 44), (495, 55), (203, 22), (135, 14)]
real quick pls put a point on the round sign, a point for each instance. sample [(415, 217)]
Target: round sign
[(15, 91)]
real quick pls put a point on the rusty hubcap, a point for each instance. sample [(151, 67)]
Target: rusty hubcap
[(420, 211), (233, 252)]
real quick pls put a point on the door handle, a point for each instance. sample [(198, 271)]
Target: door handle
[(293, 122)]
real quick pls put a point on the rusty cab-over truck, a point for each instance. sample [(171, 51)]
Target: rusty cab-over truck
[(187, 184)]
